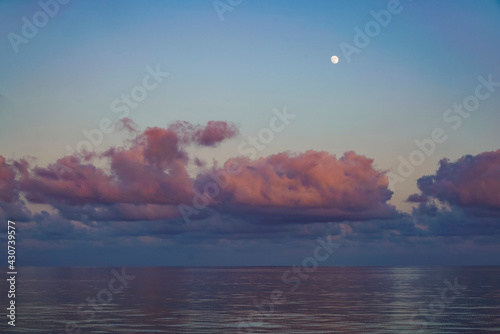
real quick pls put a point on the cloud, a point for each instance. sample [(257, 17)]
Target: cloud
[(134, 190), (307, 187), (149, 171), (8, 184), (435, 221), (416, 198), (11, 205), (210, 135), (471, 182), (119, 212), (147, 179), (127, 124)]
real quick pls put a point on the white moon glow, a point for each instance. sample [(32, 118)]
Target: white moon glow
[(335, 59)]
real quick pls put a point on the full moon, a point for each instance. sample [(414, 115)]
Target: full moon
[(335, 59)]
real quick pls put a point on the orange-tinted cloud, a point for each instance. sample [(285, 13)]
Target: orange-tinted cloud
[(150, 171), (315, 184), (148, 178)]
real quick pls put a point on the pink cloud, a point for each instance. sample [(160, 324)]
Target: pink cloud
[(470, 182), (314, 182), (151, 170), (147, 178)]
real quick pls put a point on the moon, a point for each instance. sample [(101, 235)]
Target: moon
[(335, 59)]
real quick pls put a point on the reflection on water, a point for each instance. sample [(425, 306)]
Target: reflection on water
[(219, 300)]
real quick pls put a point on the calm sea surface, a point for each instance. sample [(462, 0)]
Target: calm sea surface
[(257, 300)]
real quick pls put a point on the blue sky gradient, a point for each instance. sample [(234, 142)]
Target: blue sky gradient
[(263, 55)]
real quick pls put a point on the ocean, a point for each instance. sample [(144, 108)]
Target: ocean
[(256, 300)]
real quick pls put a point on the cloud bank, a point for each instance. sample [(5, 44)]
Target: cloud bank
[(135, 190)]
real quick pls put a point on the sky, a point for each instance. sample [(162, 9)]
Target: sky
[(221, 133)]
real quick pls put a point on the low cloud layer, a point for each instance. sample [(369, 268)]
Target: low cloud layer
[(135, 190)]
